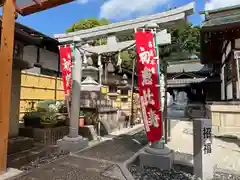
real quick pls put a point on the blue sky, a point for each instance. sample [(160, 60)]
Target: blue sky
[(56, 20)]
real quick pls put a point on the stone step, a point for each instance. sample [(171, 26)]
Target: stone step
[(22, 158), (18, 144)]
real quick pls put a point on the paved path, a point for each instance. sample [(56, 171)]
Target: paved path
[(103, 161)]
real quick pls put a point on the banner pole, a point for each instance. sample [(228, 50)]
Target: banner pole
[(160, 86)]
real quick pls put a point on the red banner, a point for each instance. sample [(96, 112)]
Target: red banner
[(66, 67), (147, 83)]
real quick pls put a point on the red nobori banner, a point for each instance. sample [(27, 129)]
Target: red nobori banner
[(66, 67), (147, 83)]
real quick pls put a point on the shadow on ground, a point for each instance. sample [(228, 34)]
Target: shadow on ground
[(229, 139), (119, 149)]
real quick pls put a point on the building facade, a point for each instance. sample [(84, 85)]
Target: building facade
[(220, 42), (23, 59)]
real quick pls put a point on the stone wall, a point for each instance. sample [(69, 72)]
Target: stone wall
[(48, 136), (225, 119)]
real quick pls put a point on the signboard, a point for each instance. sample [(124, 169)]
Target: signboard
[(66, 67), (147, 83)]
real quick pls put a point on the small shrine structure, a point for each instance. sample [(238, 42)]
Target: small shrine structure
[(220, 44)]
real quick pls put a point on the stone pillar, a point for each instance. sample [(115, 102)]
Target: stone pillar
[(73, 141), (15, 102), (202, 149)]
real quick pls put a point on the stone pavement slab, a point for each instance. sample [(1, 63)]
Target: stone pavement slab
[(226, 153), (117, 150), (101, 162)]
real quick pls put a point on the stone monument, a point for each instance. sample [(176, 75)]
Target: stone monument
[(202, 149)]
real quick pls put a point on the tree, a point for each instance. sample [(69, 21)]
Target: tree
[(87, 24), (185, 38)]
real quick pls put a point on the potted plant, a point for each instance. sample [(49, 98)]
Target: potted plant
[(81, 118)]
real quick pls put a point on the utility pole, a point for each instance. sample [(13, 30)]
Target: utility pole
[(6, 56)]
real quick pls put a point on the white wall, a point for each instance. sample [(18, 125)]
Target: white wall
[(237, 43), (229, 91), (229, 86), (30, 54), (48, 60), (222, 84), (237, 84)]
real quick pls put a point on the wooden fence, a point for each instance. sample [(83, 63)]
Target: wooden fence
[(35, 88)]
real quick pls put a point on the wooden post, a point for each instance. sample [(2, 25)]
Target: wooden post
[(6, 56)]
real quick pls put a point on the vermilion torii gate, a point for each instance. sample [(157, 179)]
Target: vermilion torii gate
[(10, 10)]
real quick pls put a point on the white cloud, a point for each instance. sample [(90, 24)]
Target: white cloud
[(214, 4), (83, 1), (118, 9)]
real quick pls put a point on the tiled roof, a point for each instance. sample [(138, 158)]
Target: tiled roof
[(221, 9), (183, 82), (186, 67), (224, 20)]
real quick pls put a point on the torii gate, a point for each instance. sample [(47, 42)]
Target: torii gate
[(111, 31), (10, 10)]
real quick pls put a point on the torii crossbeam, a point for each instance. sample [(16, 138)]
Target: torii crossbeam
[(10, 10)]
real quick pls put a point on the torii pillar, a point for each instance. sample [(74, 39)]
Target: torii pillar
[(6, 56)]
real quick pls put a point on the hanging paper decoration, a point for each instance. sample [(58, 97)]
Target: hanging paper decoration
[(84, 58), (119, 62), (66, 67), (147, 83)]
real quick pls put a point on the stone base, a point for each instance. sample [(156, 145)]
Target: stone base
[(158, 158), (88, 132), (45, 136), (10, 173), (68, 144), (18, 144)]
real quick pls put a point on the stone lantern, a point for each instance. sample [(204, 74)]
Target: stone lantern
[(90, 87), (124, 87), (124, 80), (89, 69)]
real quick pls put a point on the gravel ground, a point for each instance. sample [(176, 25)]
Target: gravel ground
[(43, 160), (177, 173)]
